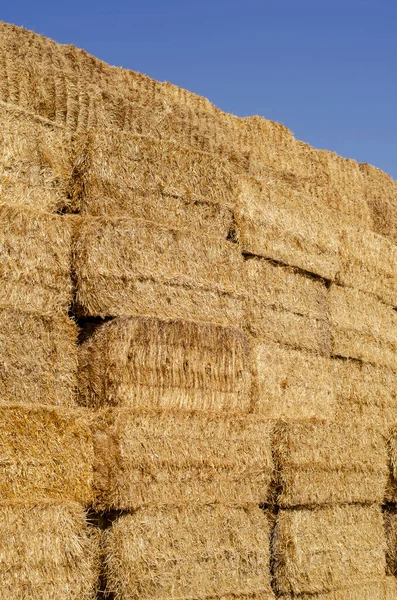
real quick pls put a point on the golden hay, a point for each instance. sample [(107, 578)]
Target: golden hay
[(286, 306), (289, 227), (385, 588), (381, 197), (328, 463), (38, 358), (46, 454), (148, 457), (325, 549), (390, 519), (47, 552), (147, 362), (392, 439), (205, 552), (362, 327), (289, 384), (35, 257), (135, 267)]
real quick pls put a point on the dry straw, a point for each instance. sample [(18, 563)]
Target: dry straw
[(381, 197), (47, 551), (154, 458), (325, 549), (393, 463), (362, 327), (384, 588), (38, 357), (135, 267), (289, 384), (148, 362), (35, 256), (206, 552), (46, 454), (328, 463)]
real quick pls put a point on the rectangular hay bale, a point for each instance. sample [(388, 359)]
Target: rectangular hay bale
[(205, 552), (148, 362), (46, 454), (326, 549), (154, 458), (381, 197), (385, 588)]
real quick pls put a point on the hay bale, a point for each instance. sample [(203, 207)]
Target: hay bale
[(390, 519), (362, 327), (205, 552), (47, 551), (286, 306), (35, 256), (46, 454), (136, 267), (154, 457), (381, 198), (277, 223), (385, 588), (38, 358), (34, 161), (368, 263), (147, 362), (326, 549), (392, 440), (326, 463), (290, 384)]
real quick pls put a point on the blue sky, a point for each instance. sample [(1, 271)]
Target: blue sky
[(327, 70)]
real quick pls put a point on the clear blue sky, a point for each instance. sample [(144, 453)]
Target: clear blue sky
[(326, 69)]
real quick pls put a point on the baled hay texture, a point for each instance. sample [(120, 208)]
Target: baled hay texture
[(34, 161), (47, 552), (390, 518), (328, 463), (135, 267), (362, 327), (286, 306), (325, 549), (147, 362), (35, 256), (369, 264), (289, 384), (365, 393), (145, 458), (46, 454), (385, 588), (392, 439), (277, 223), (205, 552), (38, 358), (381, 197)]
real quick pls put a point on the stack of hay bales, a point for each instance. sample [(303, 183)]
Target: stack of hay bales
[(197, 343)]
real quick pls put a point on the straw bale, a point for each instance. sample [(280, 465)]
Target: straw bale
[(385, 588), (362, 327), (325, 549), (286, 306), (327, 463), (205, 552), (369, 264), (278, 223), (46, 454), (381, 197), (147, 362), (290, 384), (153, 457), (390, 519), (38, 358), (47, 552), (35, 257), (392, 440), (136, 267)]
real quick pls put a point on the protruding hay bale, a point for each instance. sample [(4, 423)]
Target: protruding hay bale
[(392, 492), (362, 327), (147, 362), (286, 306), (289, 384), (390, 519), (325, 549), (365, 393), (275, 222), (38, 358), (205, 552), (47, 551), (384, 588), (328, 463), (35, 256), (34, 161), (159, 458), (46, 454), (381, 197), (369, 264), (135, 267)]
